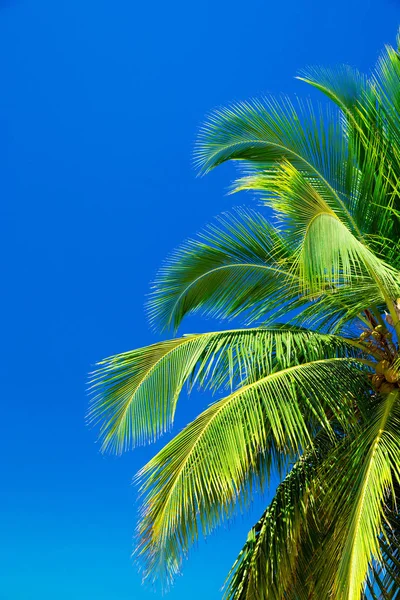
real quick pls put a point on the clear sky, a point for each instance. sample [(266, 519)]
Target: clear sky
[(99, 107)]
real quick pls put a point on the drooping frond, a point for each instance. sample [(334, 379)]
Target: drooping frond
[(344, 85), (268, 133), (243, 266), (312, 188), (208, 468), (266, 566), (330, 254), (326, 251), (360, 483), (384, 577), (372, 129), (135, 393), (237, 266), (386, 79)]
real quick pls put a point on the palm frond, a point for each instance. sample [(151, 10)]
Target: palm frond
[(238, 266), (315, 201), (135, 393), (386, 78), (330, 254), (243, 266), (384, 577), (309, 219), (360, 483), (266, 566), (268, 132), (372, 127), (344, 85), (207, 470)]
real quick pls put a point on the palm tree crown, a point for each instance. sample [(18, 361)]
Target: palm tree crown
[(309, 387)]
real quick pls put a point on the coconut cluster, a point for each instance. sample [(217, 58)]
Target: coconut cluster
[(386, 378), (377, 333)]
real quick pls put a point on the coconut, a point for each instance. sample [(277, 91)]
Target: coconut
[(386, 387), (377, 380), (392, 375), (382, 366)]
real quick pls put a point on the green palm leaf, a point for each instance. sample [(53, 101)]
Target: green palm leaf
[(371, 108), (384, 578), (266, 566), (238, 266), (209, 467), (268, 131), (361, 481), (135, 393), (344, 85), (313, 199)]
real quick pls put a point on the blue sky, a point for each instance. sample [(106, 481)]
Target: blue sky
[(99, 108)]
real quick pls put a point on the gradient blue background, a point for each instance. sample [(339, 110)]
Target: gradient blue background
[(99, 107)]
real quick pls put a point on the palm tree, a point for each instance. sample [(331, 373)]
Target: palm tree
[(309, 386)]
